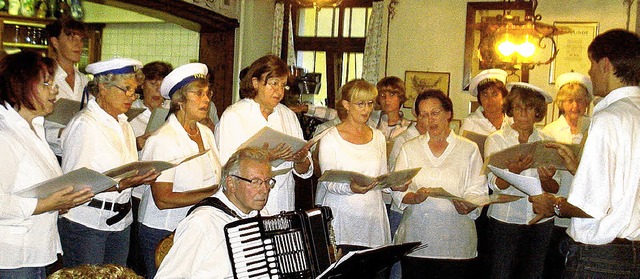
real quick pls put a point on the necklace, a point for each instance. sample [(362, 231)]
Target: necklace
[(194, 134)]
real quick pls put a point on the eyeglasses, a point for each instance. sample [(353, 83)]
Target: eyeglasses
[(202, 93), (276, 84), (51, 86), (434, 113), (128, 91), (363, 104), (522, 109), (257, 182)]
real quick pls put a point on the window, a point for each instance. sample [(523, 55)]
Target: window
[(331, 41)]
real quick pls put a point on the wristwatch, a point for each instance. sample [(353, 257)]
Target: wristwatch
[(556, 207)]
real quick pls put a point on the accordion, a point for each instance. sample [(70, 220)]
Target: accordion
[(296, 244)]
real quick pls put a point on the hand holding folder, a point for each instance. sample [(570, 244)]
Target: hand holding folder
[(272, 138)]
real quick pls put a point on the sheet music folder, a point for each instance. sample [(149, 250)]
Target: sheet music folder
[(367, 263)]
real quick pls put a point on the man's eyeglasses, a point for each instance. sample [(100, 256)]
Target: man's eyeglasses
[(51, 86), (128, 91), (257, 182)]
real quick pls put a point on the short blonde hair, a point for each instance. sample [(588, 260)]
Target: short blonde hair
[(358, 90), (570, 89)]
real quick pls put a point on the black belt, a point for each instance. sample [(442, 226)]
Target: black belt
[(624, 241), (122, 209)]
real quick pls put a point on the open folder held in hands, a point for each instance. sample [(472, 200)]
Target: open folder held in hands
[(80, 179), (141, 167), (384, 181), (274, 138), (542, 156), (475, 201)]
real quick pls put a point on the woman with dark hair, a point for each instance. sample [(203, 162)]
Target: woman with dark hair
[(488, 87), (167, 201), (262, 89), (150, 97), (516, 247), (453, 163), (100, 138), (28, 227)]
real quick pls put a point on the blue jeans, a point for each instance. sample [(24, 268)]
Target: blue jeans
[(149, 239), (84, 245), (601, 261), (518, 251), (23, 273)]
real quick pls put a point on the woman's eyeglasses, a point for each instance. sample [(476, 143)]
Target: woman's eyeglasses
[(51, 86), (363, 104), (276, 84), (255, 183), (128, 91)]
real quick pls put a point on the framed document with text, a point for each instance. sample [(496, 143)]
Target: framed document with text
[(572, 48)]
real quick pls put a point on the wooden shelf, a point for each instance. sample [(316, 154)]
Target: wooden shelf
[(23, 45)]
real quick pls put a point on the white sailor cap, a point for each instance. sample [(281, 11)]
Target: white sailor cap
[(116, 66), (573, 77), (182, 76), (547, 96), (486, 75)]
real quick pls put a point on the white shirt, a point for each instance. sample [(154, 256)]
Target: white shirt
[(560, 131), (409, 134), (358, 219), (171, 143), (65, 91), (27, 240), (520, 211), (436, 222), (242, 120), (95, 140), (477, 123), (606, 183), (199, 246)]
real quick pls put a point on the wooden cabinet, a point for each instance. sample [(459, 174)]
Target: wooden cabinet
[(27, 33)]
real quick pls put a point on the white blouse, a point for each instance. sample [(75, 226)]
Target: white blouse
[(242, 120), (358, 219), (435, 222), (172, 144), (27, 240), (95, 140), (477, 123), (520, 211)]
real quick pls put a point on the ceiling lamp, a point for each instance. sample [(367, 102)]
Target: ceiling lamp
[(507, 41), (318, 3)]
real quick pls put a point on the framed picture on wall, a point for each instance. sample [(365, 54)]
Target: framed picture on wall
[(572, 48), (417, 82)]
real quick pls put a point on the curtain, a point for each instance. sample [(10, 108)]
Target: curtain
[(278, 26), (373, 44)]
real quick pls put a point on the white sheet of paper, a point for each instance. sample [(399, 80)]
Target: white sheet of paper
[(528, 185), (273, 138), (80, 179)]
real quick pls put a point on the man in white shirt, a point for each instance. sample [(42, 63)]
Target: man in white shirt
[(66, 40), (603, 201), (199, 249)]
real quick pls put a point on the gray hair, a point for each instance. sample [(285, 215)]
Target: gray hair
[(111, 79), (232, 167)]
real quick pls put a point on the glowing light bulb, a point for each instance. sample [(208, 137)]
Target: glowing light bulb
[(506, 48), (526, 49)]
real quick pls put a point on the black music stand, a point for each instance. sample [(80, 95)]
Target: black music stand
[(367, 263)]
